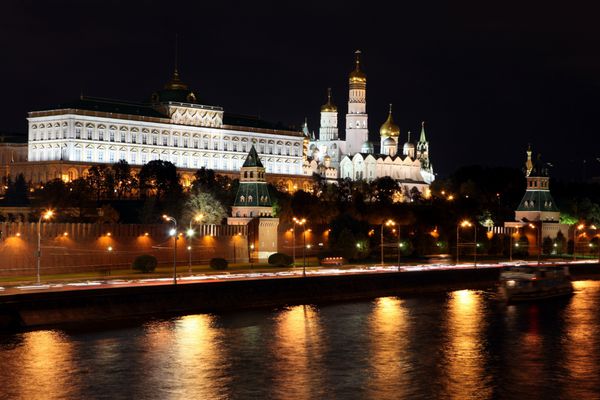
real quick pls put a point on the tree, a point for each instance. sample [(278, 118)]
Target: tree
[(206, 204), (160, 178), (101, 181), (384, 189), (124, 180), (17, 193), (108, 214), (547, 245)]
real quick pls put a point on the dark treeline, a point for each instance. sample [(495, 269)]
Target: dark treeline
[(350, 212)]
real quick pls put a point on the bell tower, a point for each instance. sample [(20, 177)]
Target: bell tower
[(357, 130)]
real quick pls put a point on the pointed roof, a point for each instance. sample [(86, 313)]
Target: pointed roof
[(329, 106), (252, 160), (422, 138), (357, 75)]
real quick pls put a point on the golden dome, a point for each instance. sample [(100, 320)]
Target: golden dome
[(389, 128), (358, 76), (329, 106), (175, 83)]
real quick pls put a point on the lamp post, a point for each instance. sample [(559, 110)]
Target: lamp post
[(46, 215), (300, 222), (538, 240), (250, 255), (110, 250), (463, 224), (173, 232), (190, 234), (578, 228), (389, 222), (304, 252), (399, 247)]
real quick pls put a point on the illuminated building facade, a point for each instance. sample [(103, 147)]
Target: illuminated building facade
[(354, 157)]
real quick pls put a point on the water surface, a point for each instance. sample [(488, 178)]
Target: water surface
[(455, 345)]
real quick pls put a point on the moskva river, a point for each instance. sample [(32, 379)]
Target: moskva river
[(455, 345)]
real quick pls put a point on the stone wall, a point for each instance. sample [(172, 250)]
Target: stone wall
[(73, 247)]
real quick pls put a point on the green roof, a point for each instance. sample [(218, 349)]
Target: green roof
[(252, 160), (537, 200), (254, 194)]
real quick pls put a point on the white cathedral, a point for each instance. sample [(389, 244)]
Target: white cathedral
[(355, 157)]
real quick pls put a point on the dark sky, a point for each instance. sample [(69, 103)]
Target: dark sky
[(488, 77)]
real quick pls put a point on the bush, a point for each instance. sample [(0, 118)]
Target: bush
[(218, 263), (144, 263), (280, 260)]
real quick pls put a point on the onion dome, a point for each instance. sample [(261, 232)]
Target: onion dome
[(408, 146), (389, 128), (174, 90), (358, 76), (389, 142), (329, 106), (327, 158), (367, 147)]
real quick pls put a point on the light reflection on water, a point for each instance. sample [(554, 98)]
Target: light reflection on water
[(458, 345)]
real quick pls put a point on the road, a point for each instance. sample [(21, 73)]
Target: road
[(296, 272)]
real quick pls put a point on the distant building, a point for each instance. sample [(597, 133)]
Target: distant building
[(537, 215), (252, 207), (355, 157)]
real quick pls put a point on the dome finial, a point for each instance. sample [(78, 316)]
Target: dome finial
[(390, 108), (329, 106), (408, 137), (357, 52)]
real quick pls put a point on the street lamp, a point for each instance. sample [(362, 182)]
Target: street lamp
[(251, 253), (579, 228), (190, 234), (173, 232), (46, 215), (538, 240), (389, 222), (464, 224), (510, 250), (300, 222)]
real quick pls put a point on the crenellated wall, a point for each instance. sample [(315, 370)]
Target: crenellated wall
[(73, 247)]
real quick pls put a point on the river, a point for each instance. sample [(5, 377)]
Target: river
[(455, 345)]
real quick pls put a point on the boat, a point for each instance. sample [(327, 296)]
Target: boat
[(523, 282)]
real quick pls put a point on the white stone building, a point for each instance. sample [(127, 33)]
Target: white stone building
[(173, 126), (355, 157)]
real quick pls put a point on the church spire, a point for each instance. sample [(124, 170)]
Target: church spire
[(422, 138)]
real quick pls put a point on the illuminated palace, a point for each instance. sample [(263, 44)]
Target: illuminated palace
[(354, 157), (63, 142)]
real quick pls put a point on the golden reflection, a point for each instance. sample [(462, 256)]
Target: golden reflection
[(44, 369), (188, 350), (464, 356), (581, 344), (390, 362), (297, 349)]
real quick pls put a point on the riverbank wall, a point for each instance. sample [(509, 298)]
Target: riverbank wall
[(44, 309)]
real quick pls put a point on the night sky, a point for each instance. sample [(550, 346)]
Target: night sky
[(488, 78)]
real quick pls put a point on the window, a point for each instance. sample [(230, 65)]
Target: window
[(164, 140), (101, 155), (133, 158), (100, 135), (154, 139), (234, 146), (216, 146), (196, 141), (78, 155), (143, 158), (122, 136), (175, 142), (205, 145), (122, 155), (89, 133), (111, 157), (185, 142), (112, 136), (133, 138), (88, 155), (144, 138)]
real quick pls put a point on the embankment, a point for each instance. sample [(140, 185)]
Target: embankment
[(52, 308)]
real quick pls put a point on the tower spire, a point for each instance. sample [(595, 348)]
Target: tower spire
[(357, 52), (422, 138), (408, 141), (176, 55)]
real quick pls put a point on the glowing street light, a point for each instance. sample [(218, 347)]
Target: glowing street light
[(45, 215), (580, 227), (173, 232), (300, 222), (465, 224), (389, 222)]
